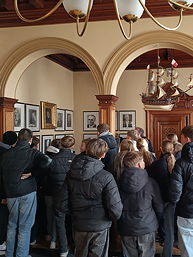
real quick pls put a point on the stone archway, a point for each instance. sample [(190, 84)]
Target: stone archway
[(137, 46), (23, 56)]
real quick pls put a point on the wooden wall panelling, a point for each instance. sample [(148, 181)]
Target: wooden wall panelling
[(6, 114)]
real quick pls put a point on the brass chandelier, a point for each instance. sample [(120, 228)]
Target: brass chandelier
[(128, 10)]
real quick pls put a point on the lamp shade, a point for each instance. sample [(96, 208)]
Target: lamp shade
[(130, 7), (76, 5)]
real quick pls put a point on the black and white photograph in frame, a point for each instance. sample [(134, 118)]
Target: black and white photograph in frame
[(127, 120), (59, 136), (91, 136), (32, 117), (60, 120), (46, 141), (69, 120), (90, 120), (19, 116)]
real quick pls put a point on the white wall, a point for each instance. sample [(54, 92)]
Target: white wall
[(47, 81)]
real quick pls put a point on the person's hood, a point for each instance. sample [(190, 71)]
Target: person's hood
[(133, 180), (187, 152), (84, 167), (109, 139), (52, 149), (5, 146)]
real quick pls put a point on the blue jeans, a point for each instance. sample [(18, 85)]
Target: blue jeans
[(22, 212), (60, 218)]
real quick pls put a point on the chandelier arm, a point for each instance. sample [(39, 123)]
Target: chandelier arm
[(86, 21), (38, 19), (157, 22), (120, 23), (180, 5)]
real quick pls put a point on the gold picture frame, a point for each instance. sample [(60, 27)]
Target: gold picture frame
[(48, 115)]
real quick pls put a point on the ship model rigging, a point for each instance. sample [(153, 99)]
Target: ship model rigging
[(162, 95)]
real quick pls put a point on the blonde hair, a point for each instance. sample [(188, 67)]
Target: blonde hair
[(172, 137), (142, 146), (168, 147), (177, 147)]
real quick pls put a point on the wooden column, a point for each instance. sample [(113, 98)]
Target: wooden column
[(6, 114), (107, 110)]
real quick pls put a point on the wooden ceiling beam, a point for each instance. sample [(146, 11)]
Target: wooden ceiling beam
[(38, 4), (8, 5)]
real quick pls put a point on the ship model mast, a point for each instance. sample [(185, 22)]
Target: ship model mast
[(159, 94)]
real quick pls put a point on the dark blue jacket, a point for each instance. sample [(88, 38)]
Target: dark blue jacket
[(18, 160), (159, 171), (142, 203), (94, 196), (110, 155), (181, 184)]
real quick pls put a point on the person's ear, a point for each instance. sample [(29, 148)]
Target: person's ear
[(103, 156)]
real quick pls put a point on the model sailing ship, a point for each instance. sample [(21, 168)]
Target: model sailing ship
[(159, 94)]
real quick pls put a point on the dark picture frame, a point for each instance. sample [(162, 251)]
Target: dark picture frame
[(69, 120), (116, 120), (19, 116), (59, 136), (90, 120), (46, 141), (48, 115), (91, 136), (127, 120), (32, 113), (60, 120)]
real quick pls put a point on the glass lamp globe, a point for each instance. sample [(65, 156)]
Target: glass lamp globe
[(130, 9), (76, 8)]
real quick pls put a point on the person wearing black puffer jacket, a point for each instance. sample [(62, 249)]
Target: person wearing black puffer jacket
[(181, 192), (59, 168), (103, 133), (142, 207), (94, 201), (17, 166)]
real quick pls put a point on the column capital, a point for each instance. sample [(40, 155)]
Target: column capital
[(7, 102), (107, 99)]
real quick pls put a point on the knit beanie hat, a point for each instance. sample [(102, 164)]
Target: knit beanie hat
[(9, 137)]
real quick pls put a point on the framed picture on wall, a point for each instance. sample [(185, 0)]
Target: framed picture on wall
[(48, 115), (69, 120), (90, 120), (19, 116), (60, 117), (59, 136), (91, 136), (127, 120), (116, 120), (32, 117), (46, 141)]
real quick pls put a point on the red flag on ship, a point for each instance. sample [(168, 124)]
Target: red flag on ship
[(174, 63)]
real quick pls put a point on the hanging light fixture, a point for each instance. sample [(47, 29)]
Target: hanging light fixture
[(127, 10)]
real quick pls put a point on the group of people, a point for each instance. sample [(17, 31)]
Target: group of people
[(124, 185)]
